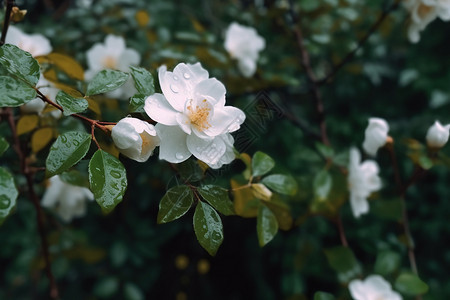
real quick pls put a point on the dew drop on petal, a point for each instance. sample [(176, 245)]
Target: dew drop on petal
[(179, 155), (174, 88), (175, 77), (186, 75)]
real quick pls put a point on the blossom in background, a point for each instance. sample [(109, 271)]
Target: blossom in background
[(37, 105), (363, 179), (67, 200), (135, 139), (374, 287), (35, 44), (423, 12), (437, 135), (114, 55), (192, 116), (375, 135), (244, 44)]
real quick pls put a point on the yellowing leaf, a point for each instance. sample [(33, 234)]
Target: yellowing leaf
[(65, 63), (41, 138), (142, 18), (93, 105), (197, 25), (245, 203), (27, 123)]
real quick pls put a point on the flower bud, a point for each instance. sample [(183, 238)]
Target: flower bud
[(376, 135), (437, 135), (260, 191), (135, 139)]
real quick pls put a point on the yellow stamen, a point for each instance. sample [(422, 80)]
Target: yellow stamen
[(110, 62), (199, 115)]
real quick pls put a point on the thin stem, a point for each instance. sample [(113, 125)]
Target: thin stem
[(9, 5), (306, 64), (361, 42), (93, 135), (29, 175), (341, 230)]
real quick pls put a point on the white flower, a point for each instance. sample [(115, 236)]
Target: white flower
[(375, 135), (135, 139), (244, 44), (67, 200), (192, 116), (35, 44), (363, 179), (437, 135), (113, 54), (374, 287)]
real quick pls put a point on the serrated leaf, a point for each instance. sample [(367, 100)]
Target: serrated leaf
[(208, 227), (106, 81), (343, 261), (323, 296), (68, 149), (108, 180), (4, 145), (282, 184), (20, 63), (143, 81), (322, 185), (387, 262), (266, 225), (137, 103), (41, 138), (410, 284), (14, 92), (70, 104), (218, 198), (175, 203), (261, 164), (8, 194), (27, 123)]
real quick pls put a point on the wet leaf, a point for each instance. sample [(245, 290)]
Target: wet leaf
[(218, 198), (8, 194), (143, 81), (70, 104), (261, 164), (175, 203), (266, 225), (14, 92), (282, 184), (208, 227), (106, 81), (20, 64)]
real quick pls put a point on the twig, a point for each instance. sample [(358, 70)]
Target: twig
[(361, 42), (9, 5), (341, 231), (306, 64), (29, 175)]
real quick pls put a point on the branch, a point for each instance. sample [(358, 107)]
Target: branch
[(361, 42), (29, 175), (9, 5), (306, 64)]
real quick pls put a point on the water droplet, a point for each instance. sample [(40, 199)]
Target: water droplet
[(186, 75), (63, 139), (115, 174), (179, 155), (174, 88), (76, 143), (175, 77), (4, 202)]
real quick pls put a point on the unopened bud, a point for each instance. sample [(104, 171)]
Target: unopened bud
[(437, 135), (260, 191)]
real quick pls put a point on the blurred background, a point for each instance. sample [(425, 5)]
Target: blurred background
[(126, 255)]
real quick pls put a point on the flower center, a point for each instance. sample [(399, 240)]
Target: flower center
[(423, 10), (110, 62), (199, 114)]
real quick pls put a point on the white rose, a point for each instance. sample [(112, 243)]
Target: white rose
[(35, 44), (437, 135), (374, 287), (375, 135)]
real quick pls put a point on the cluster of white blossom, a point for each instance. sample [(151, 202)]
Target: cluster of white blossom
[(423, 12), (363, 177), (374, 287)]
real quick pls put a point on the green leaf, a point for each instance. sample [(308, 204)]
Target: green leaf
[(261, 164), (108, 180), (324, 150), (105, 81), (70, 104), (20, 63), (175, 203), (74, 177), (323, 296), (4, 145), (143, 81), (343, 261), (410, 284), (14, 92), (218, 198), (106, 287), (132, 292), (322, 185), (387, 262), (137, 103), (68, 149), (266, 225), (8, 194), (208, 227), (282, 184), (190, 170)]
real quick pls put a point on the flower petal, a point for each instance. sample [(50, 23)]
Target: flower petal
[(115, 45), (157, 108), (359, 205), (210, 151), (225, 119), (129, 57), (174, 89), (173, 146), (184, 122), (191, 74), (211, 89)]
